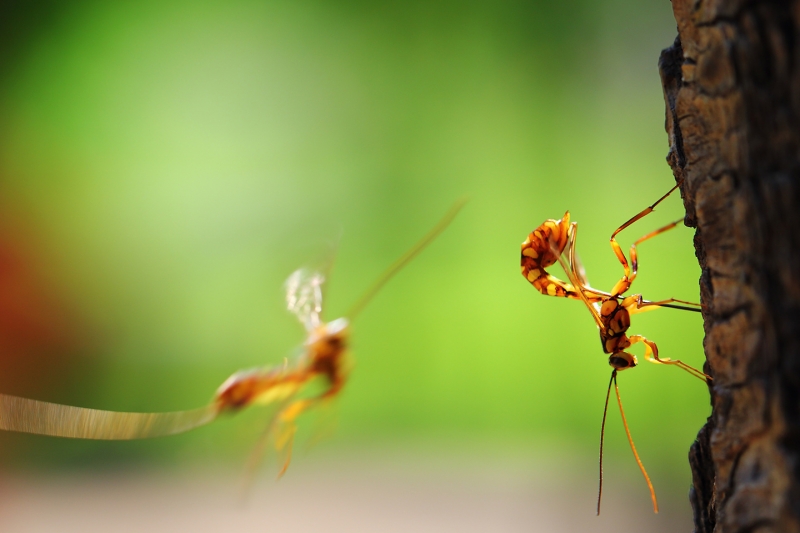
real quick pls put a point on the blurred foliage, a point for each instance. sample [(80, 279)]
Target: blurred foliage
[(165, 165)]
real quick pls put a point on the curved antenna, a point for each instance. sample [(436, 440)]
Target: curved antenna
[(327, 266), (602, 436), (404, 259), (44, 418)]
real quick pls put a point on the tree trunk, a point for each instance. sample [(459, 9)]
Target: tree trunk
[(732, 90)]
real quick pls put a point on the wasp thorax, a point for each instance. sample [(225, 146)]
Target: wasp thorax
[(622, 360), (329, 339), (608, 308), (615, 317), (327, 346)]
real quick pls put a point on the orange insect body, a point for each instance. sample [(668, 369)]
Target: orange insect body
[(616, 320), (324, 356), (541, 250), (553, 242)]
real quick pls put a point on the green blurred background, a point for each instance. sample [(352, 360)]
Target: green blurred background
[(164, 166)]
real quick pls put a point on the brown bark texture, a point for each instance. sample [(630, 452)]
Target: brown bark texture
[(732, 91)]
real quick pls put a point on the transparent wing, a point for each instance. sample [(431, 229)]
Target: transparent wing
[(577, 266), (56, 420), (304, 296), (573, 260)]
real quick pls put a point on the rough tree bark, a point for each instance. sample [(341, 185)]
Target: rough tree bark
[(732, 89)]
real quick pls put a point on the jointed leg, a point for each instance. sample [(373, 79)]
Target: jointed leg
[(646, 211), (257, 454), (636, 304), (634, 259), (283, 428), (645, 305), (285, 439), (625, 282), (324, 425), (651, 354)]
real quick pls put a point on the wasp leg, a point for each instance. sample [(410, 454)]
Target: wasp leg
[(257, 454), (636, 304), (626, 281), (284, 441), (645, 305), (651, 354), (630, 274)]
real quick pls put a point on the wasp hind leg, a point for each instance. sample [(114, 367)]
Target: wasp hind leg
[(651, 354)]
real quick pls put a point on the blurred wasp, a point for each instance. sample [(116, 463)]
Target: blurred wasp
[(323, 356), (554, 242)]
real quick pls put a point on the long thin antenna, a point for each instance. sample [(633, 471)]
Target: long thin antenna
[(405, 259), (602, 436), (630, 440)]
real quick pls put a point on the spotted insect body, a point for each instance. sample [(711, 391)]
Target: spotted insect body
[(554, 241)]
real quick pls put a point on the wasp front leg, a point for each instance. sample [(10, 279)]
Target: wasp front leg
[(284, 439), (631, 269), (651, 354)]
